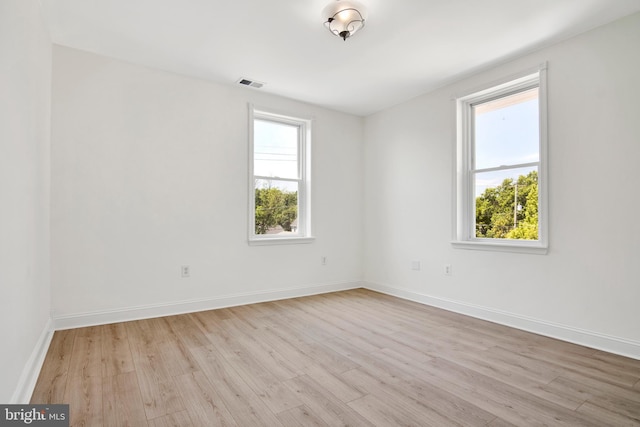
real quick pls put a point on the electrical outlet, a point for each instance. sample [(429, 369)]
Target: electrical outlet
[(185, 271), (448, 270), (323, 260), (415, 265)]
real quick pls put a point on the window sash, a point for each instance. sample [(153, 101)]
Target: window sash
[(278, 184), (483, 100), (516, 173)]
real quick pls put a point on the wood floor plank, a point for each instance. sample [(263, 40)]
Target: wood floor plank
[(499, 422), (606, 417), (269, 389), (176, 357), (146, 333), (357, 322), (270, 357), (522, 365), (246, 407), (425, 404), (157, 337), (247, 317), (251, 342), (614, 361), (121, 401), (297, 360), (158, 391), (204, 405), (83, 394), (322, 402), (262, 374), (116, 354), (157, 387), (586, 388), (624, 407), (313, 330), (512, 372), (86, 356), (522, 341), (505, 401), (454, 379), (433, 346), (321, 354), (366, 312), (393, 377), (206, 321), (584, 365), (301, 416), (185, 330), (294, 316), (356, 358), (52, 380), (177, 419), (339, 388), (385, 413)]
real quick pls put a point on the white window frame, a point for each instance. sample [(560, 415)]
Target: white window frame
[(304, 180), (464, 196)]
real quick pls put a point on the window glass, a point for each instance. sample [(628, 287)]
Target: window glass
[(276, 207), (506, 204), (506, 130), (275, 149)]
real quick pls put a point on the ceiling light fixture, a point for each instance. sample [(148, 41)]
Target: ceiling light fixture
[(344, 17)]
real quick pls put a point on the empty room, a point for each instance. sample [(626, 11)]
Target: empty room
[(320, 212)]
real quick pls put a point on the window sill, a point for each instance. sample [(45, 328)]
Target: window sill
[(522, 247), (281, 241)]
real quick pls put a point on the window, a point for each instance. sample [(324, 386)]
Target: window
[(279, 179), (501, 200)]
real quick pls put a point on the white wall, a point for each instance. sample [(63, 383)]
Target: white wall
[(149, 172), (588, 286), (25, 85)]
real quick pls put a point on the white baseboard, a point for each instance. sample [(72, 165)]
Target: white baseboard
[(180, 307), (586, 338), (29, 376)]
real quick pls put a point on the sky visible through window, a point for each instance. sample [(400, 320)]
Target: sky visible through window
[(506, 133), (276, 152)]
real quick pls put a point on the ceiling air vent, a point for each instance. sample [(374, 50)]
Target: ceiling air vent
[(250, 83)]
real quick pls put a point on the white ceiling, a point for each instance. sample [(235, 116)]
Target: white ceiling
[(407, 47)]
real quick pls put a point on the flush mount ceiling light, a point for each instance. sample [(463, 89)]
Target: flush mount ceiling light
[(344, 17)]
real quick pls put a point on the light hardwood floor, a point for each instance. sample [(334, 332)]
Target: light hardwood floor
[(355, 358)]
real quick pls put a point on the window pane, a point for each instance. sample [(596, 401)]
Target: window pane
[(506, 130), (506, 204), (275, 149), (276, 207)]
